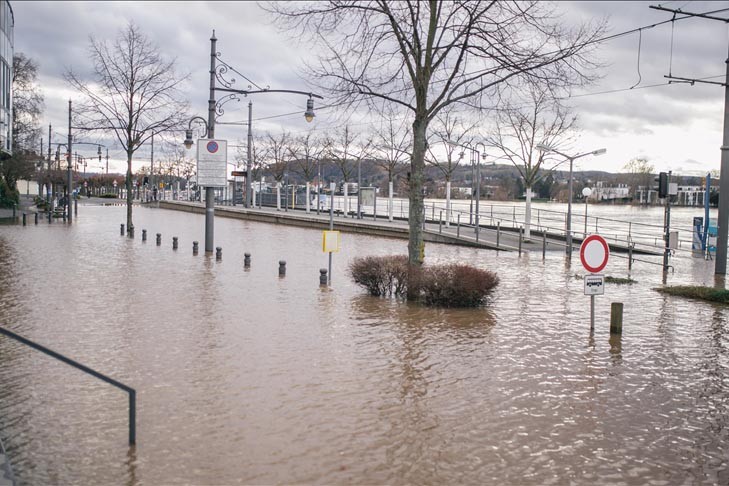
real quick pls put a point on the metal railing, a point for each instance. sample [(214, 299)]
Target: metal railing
[(132, 393)]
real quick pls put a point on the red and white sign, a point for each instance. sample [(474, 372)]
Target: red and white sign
[(594, 253)]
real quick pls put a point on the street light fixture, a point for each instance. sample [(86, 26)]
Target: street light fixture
[(568, 229)]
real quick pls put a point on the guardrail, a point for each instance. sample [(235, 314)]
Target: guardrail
[(132, 393)]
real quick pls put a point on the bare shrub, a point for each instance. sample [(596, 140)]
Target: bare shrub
[(386, 275), (457, 285), (443, 285)]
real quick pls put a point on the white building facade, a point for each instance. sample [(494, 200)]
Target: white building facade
[(7, 22)]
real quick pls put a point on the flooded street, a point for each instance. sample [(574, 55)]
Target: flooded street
[(243, 377)]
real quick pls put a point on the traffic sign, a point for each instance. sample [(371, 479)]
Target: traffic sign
[(594, 253), (212, 163), (595, 284)]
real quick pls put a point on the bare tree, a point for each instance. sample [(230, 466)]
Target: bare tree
[(391, 150), (426, 56), (346, 150), (134, 93), (307, 151), (640, 173), (519, 128), (453, 133), (277, 152), (25, 126)]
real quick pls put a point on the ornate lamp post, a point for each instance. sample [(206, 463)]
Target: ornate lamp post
[(215, 109)]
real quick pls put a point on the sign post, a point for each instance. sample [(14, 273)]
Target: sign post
[(594, 255)]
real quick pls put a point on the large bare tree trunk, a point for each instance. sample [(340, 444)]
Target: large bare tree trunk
[(448, 204), (416, 244)]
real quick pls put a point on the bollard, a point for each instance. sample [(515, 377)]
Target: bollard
[(616, 318), (14, 216), (458, 228), (194, 247), (50, 215), (544, 244), (323, 279), (498, 233), (159, 239), (630, 256), (121, 229), (246, 260), (218, 253), (521, 237), (36, 218), (75, 207), (174, 242), (23, 219), (144, 235), (131, 232), (282, 268), (440, 222)]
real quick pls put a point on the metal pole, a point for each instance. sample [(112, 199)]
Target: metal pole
[(723, 222), (107, 161), (667, 228), (585, 235), (70, 178), (151, 167), (568, 237), (249, 163), (332, 186), (478, 192), (592, 313), (210, 191)]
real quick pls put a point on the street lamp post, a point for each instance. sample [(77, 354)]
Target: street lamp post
[(215, 107), (69, 175), (586, 192), (568, 224)]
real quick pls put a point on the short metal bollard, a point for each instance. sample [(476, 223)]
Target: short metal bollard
[(282, 268), (323, 279), (616, 318), (36, 218), (246, 260), (121, 229), (131, 232), (23, 219), (194, 247), (144, 235), (159, 239), (498, 233), (218, 253), (521, 238), (174, 242), (544, 244), (75, 206)]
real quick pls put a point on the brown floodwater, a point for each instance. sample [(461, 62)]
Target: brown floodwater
[(243, 377)]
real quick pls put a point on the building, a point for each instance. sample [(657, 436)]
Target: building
[(7, 22), (604, 192)]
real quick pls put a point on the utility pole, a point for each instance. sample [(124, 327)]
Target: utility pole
[(151, 169), (70, 176), (107, 161), (249, 164), (723, 222)]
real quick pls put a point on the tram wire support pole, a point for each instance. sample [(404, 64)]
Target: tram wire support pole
[(723, 219)]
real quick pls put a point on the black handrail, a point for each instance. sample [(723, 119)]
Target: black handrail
[(132, 393)]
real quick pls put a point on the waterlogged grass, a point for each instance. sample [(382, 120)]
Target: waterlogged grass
[(612, 280), (709, 294)]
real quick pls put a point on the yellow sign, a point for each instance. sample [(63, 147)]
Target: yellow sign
[(330, 241)]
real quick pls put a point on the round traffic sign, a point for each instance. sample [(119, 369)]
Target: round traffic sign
[(594, 253)]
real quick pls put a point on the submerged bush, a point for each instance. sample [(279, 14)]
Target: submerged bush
[(450, 285), (457, 285), (385, 275), (709, 294)]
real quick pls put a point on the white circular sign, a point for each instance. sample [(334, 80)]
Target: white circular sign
[(594, 253), (587, 192)]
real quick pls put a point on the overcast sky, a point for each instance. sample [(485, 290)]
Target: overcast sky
[(677, 127)]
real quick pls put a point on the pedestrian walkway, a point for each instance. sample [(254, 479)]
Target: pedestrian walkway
[(487, 237)]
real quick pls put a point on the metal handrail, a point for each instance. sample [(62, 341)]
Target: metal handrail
[(132, 393)]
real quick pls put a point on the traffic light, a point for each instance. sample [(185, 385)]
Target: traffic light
[(662, 185)]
